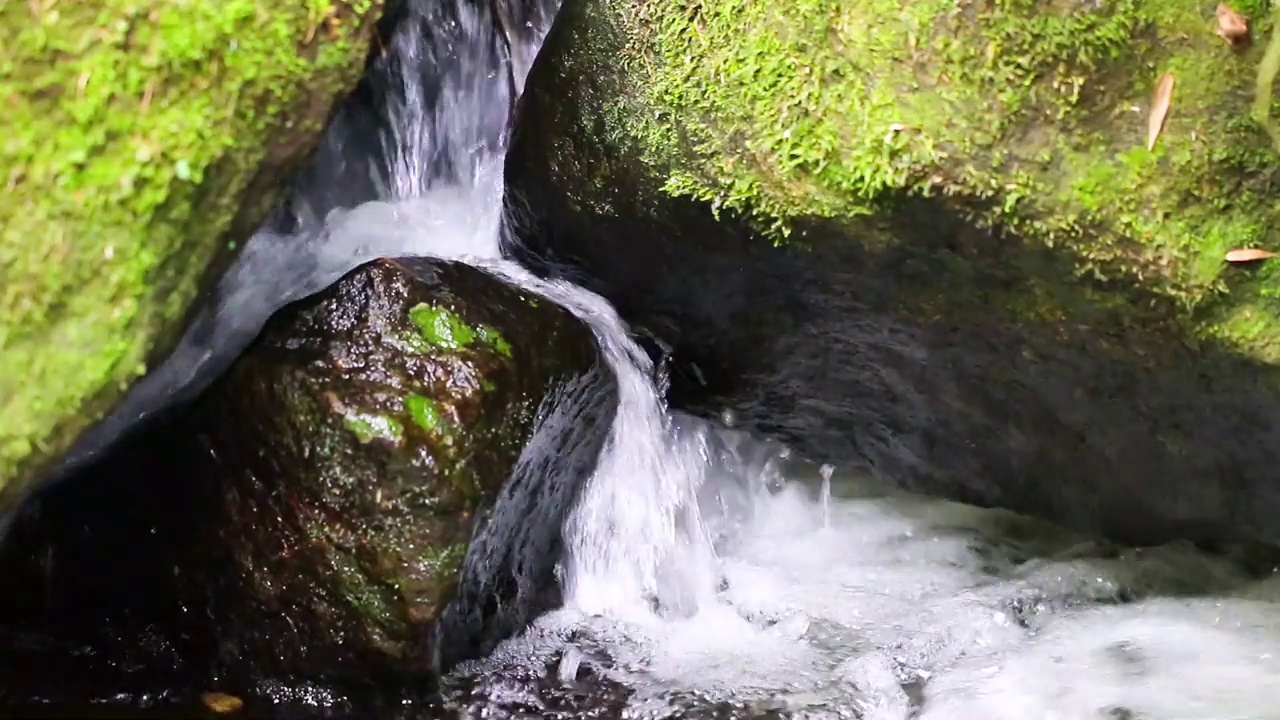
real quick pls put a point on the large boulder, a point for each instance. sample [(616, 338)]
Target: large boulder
[(418, 416), (932, 241), (356, 447), (140, 140)]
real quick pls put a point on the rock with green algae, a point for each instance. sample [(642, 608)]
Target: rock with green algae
[(334, 482), (138, 141), (1028, 116), (929, 239), (357, 445)]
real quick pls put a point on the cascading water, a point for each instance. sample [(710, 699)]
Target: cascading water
[(430, 183), (450, 75), (701, 576)]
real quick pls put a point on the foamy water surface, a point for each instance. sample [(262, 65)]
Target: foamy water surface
[(886, 606)]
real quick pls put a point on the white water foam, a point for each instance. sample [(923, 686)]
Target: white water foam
[(888, 606)]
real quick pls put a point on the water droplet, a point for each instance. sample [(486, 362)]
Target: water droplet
[(826, 470), (570, 662)]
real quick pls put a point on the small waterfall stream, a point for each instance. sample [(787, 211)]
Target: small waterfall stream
[(707, 573)]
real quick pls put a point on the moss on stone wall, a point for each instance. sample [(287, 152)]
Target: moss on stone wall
[(138, 138), (1030, 115)]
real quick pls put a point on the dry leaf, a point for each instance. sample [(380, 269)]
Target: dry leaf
[(1232, 26), (1159, 109), (221, 703), (1245, 255)]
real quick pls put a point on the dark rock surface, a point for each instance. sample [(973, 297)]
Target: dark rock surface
[(354, 449), (307, 521)]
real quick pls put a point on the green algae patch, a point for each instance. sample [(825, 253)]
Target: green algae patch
[(138, 139), (1027, 116), (370, 426), (441, 328), (446, 562), (425, 412), (491, 337)]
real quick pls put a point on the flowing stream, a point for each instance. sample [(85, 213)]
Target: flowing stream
[(707, 572)]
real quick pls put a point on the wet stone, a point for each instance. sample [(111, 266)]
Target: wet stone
[(305, 523), (357, 444)]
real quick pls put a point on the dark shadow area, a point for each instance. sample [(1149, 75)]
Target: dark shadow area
[(116, 605), (947, 359), (1082, 420), (89, 576)]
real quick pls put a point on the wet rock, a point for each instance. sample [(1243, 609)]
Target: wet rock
[(354, 449), (308, 521)]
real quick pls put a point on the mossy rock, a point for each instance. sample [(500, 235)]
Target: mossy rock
[(140, 140), (730, 176), (1027, 116)]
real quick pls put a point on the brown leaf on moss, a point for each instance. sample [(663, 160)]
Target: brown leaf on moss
[(1232, 26), (1159, 109), (221, 703), (1245, 255)]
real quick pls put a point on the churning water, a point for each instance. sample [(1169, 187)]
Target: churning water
[(875, 604), (706, 572)]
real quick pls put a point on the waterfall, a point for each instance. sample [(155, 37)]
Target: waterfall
[(430, 183), (706, 570), (450, 75)]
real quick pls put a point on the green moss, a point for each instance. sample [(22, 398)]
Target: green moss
[(1030, 115), (130, 137), (376, 603), (819, 107), (441, 328), (424, 411), (446, 562), (491, 337), (368, 426)]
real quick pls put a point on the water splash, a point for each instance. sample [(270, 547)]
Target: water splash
[(637, 535), (908, 608), (826, 471)]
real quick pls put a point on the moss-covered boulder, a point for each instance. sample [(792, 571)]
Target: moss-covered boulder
[(1031, 116), (139, 139), (930, 238), (417, 417)]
